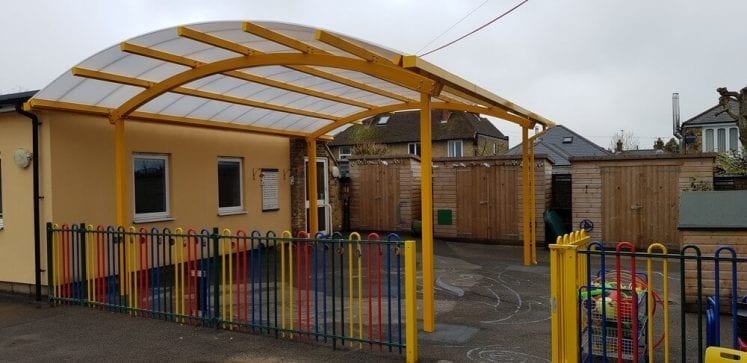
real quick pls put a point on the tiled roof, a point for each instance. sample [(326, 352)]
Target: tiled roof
[(709, 116), (405, 127), (559, 153)]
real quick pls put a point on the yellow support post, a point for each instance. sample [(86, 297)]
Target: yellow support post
[(526, 196), (313, 216), (411, 299), (532, 205), (426, 212), (120, 181)]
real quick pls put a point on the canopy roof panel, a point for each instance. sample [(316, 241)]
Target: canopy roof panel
[(261, 76)]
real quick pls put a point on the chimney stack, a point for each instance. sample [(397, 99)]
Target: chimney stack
[(619, 146)]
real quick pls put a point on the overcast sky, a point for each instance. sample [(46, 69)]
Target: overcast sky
[(595, 66)]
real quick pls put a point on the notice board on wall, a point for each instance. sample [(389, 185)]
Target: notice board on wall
[(270, 190)]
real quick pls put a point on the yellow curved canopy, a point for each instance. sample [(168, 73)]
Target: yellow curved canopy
[(266, 77)]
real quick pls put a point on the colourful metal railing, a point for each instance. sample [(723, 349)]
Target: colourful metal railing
[(330, 289), (618, 311)]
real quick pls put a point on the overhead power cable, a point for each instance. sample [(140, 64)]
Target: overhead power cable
[(452, 27), (476, 30)]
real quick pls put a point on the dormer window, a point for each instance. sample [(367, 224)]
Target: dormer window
[(568, 140), (383, 119)]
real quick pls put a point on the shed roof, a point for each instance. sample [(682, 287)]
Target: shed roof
[(269, 77)]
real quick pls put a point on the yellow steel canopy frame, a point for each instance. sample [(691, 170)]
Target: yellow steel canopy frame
[(378, 81)]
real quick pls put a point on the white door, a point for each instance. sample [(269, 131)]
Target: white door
[(322, 195)]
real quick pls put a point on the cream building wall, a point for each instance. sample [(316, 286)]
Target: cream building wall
[(83, 172), (77, 179), (17, 233)]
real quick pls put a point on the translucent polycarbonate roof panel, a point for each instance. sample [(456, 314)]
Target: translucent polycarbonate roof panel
[(305, 79)]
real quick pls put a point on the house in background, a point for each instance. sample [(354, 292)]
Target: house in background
[(560, 144), (455, 134), (711, 131)]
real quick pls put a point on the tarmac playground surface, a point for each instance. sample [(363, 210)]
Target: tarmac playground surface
[(489, 308)]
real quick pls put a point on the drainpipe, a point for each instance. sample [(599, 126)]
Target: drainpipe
[(37, 197)]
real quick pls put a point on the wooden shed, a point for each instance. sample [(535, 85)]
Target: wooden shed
[(479, 198), (385, 192), (709, 220), (636, 198)]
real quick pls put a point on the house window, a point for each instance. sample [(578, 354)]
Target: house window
[(568, 140), (708, 140), (720, 139), (230, 186), (383, 119), (733, 139), (1, 196), (455, 148), (151, 179), (413, 148), (344, 152), (495, 148)]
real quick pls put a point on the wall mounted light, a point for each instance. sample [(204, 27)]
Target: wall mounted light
[(23, 158)]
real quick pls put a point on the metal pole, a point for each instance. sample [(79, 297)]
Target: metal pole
[(311, 191)]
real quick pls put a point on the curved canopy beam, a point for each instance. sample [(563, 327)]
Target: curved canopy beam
[(386, 72)]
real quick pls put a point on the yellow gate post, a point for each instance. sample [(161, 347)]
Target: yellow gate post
[(567, 269)]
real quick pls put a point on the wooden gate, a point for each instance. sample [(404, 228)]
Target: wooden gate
[(640, 204), (486, 203), (379, 197)]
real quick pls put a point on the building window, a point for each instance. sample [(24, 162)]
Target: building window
[(413, 148), (733, 139), (2, 224), (708, 144), (720, 139), (151, 179), (455, 148), (383, 119), (230, 186), (495, 149), (568, 140), (344, 152)]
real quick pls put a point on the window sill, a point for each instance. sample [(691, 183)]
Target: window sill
[(140, 220), (231, 213)]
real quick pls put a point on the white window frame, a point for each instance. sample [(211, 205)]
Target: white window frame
[(714, 141), (416, 146), (344, 156), (237, 209), (452, 147), (153, 216)]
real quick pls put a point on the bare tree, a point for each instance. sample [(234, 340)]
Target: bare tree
[(725, 99), (624, 140)]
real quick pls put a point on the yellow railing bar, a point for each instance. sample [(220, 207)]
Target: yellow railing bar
[(650, 301), (355, 236)]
